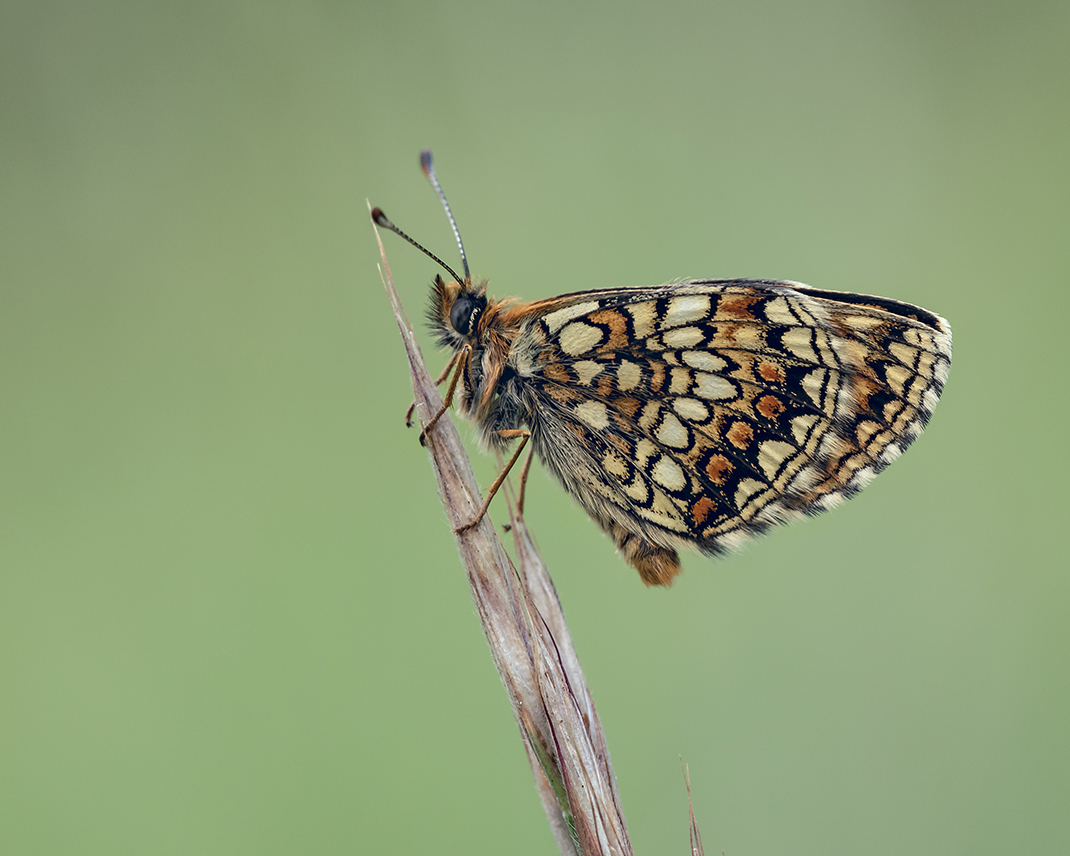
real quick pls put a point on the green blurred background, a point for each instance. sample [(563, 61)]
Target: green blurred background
[(232, 620)]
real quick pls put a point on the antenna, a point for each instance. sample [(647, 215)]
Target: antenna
[(381, 220), (428, 167)]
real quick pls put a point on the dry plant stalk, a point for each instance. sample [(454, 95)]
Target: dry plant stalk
[(528, 637)]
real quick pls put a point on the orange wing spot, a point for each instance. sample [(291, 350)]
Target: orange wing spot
[(628, 406), (718, 469), (618, 328), (738, 306), (730, 331), (701, 510), (604, 385), (564, 394), (556, 373), (862, 388), (740, 435), (769, 406), (770, 372), (657, 377)]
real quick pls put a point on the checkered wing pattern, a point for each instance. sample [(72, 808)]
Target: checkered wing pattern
[(698, 413)]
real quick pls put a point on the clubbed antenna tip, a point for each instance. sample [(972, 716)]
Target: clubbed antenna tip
[(427, 164), (380, 219)]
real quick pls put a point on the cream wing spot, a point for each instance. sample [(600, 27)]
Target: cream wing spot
[(691, 409), (897, 377), (798, 340), (680, 381), (554, 321), (809, 311), (628, 376), (682, 337), (638, 490), (663, 513), (865, 431), (812, 385), (827, 347), (916, 391), (587, 370), (671, 432), (801, 425), (845, 397), (704, 360), (594, 413), (778, 312), (649, 416), (713, 387), (772, 454), (925, 364), (685, 309), (615, 464), (644, 314), (644, 451), (668, 474), (832, 445), (747, 488), (578, 338), (904, 353), (862, 323)]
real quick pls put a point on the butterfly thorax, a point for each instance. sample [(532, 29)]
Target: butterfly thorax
[(483, 334)]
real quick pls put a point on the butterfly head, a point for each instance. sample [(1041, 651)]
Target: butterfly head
[(456, 311), (457, 306)]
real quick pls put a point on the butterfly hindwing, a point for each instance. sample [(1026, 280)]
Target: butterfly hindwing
[(708, 410)]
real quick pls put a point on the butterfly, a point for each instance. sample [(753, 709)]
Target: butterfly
[(694, 414)]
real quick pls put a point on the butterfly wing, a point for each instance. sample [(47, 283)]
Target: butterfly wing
[(699, 413)]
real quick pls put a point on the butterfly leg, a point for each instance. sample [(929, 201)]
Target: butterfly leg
[(462, 358), (524, 483), (438, 381), (493, 489)]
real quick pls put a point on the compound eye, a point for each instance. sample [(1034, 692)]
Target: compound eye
[(463, 314)]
